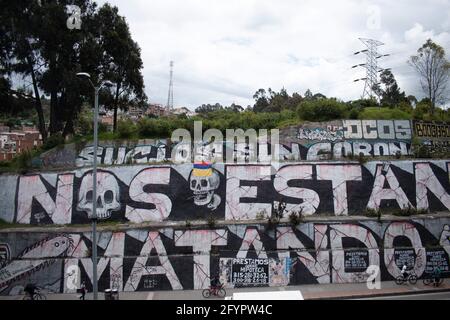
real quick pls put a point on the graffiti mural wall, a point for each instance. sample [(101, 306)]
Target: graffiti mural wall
[(435, 135), (346, 138), (241, 255), (226, 192), (334, 140)]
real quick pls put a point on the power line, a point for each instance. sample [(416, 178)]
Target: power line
[(371, 66)]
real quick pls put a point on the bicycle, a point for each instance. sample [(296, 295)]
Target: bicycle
[(430, 279), (412, 278), (216, 291), (38, 295)]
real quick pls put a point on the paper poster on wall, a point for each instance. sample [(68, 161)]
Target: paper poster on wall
[(403, 257), (356, 261), (241, 272), (437, 258)]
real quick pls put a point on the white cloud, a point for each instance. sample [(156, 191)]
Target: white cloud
[(225, 50)]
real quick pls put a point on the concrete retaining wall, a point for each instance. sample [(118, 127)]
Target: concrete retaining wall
[(226, 192), (243, 255)]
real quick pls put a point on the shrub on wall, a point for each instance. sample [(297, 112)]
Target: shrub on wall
[(321, 110), (295, 218), (53, 141), (376, 113), (375, 213), (125, 129), (211, 222)]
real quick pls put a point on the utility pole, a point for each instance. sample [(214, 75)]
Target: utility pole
[(87, 76), (371, 66), (169, 106)]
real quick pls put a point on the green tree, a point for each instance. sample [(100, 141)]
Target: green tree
[(434, 71), (20, 53), (235, 108), (122, 63), (261, 100), (207, 108), (391, 95), (308, 95), (41, 48)]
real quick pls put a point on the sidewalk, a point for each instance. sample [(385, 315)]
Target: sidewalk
[(310, 292)]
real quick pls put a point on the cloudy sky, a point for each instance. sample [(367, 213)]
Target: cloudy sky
[(225, 50)]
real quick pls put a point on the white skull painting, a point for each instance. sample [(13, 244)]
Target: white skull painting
[(203, 184), (107, 195)]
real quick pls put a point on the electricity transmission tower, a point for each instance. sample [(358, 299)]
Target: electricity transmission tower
[(169, 106), (371, 66)]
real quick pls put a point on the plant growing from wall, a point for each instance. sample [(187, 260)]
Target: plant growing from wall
[(374, 213), (277, 215), (350, 156), (129, 161), (211, 221), (420, 150), (362, 159), (296, 217), (188, 224), (406, 211), (421, 211)]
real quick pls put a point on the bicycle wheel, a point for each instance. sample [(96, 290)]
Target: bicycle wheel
[(399, 280), (206, 293), (427, 281), (412, 279), (222, 293), (26, 297), (439, 282)]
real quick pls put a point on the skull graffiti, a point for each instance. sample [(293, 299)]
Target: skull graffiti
[(203, 188), (107, 195)]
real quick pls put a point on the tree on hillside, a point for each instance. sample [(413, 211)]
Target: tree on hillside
[(321, 110), (235, 108), (308, 95), (275, 101), (434, 71), (261, 100), (313, 97), (412, 100), (20, 54), (122, 63), (46, 53), (206, 108), (391, 95)]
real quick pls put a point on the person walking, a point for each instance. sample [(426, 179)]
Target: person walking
[(82, 290)]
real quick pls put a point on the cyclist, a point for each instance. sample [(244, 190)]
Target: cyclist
[(30, 289), (436, 276), (404, 271), (215, 284)]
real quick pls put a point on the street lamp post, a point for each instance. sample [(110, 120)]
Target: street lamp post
[(94, 182)]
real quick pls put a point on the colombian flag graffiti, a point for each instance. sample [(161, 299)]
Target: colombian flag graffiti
[(202, 169)]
